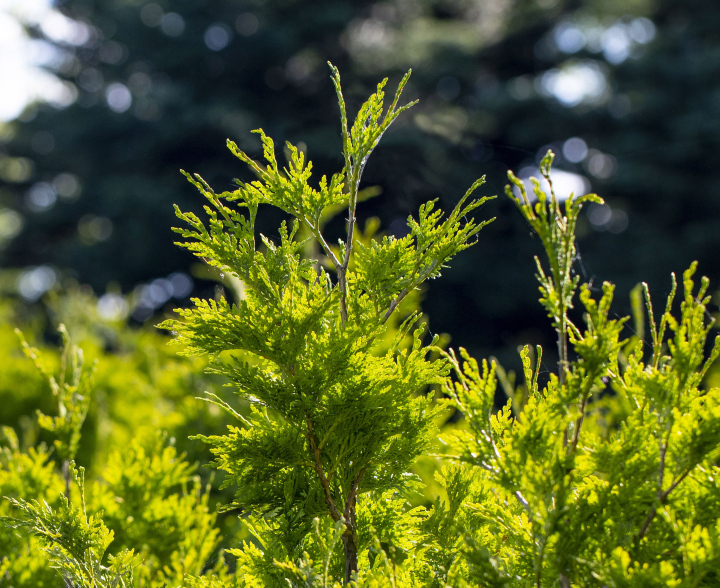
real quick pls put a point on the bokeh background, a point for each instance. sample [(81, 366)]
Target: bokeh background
[(103, 101)]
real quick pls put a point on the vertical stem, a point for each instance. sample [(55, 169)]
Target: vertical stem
[(662, 496), (562, 348), (342, 270), (342, 282), (349, 537), (578, 424), (317, 465), (66, 475)]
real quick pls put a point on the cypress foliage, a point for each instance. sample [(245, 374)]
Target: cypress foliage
[(335, 414), (600, 473)]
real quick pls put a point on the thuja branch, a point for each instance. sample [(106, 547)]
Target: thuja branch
[(296, 338), (358, 143)]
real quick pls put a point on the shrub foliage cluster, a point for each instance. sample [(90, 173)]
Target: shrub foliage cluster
[(599, 472)]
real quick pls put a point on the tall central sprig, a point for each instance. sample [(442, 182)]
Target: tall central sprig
[(358, 144)]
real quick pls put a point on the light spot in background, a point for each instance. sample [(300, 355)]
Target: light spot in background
[(33, 283), (45, 54), (599, 164), (111, 52), (11, 223), (159, 291), (575, 82), (371, 41), (40, 197), (93, 229), (139, 83), (300, 66), (112, 307), (448, 88), (218, 36), (616, 43), (181, 283), (10, 29), (247, 24), (118, 97), (21, 79), (369, 33), (42, 142), (67, 186), (615, 40), (521, 87), (564, 183), (599, 214), (151, 14), (568, 38), (60, 95), (90, 79), (60, 28), (149, 297), (575, 150), (16, 169), (604, 218), (642, 30), (141, 312), (172, 24)]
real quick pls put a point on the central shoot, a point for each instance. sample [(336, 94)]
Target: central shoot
[(337, 409)]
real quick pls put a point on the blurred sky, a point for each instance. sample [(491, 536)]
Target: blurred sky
[(22, 77)]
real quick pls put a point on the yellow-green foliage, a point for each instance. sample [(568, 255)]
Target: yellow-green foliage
[(567, 496), (145, 496), (603, 473), (334, 415)]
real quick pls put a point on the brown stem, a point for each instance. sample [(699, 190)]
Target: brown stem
[(317, 465), (663, 500), (578, 424), (562, 350), (394, 304), (342, 269), (349, 537), (675, 483), (661, 469), (646, 525), (342, 281), (325, 246), (401, 296)]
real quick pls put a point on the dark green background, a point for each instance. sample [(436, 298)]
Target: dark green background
[(475, 66)]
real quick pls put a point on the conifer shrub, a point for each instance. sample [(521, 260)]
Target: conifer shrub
[(601, 471)]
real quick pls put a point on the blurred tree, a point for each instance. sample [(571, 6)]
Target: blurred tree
[(623, 91)]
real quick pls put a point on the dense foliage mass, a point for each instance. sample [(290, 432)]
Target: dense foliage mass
[(600, 472)]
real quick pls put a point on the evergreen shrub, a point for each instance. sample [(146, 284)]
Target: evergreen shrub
[(602, 472)]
